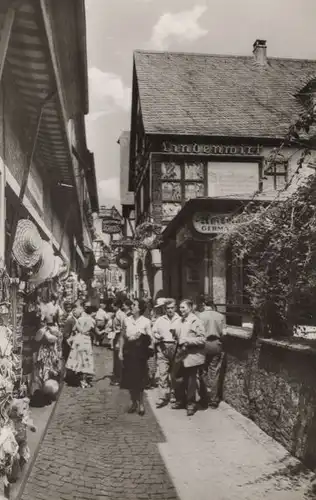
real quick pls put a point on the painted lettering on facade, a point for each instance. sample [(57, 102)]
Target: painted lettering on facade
[(208, 223), (212, 149)]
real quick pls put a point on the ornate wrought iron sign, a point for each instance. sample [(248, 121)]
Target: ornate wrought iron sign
[(124, 260), (111, 220), (103, 262)]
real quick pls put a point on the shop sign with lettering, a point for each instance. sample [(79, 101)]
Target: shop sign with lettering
[(110, 227), (208, 223), (212, 149)]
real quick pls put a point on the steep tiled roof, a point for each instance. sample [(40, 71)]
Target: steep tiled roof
[(200, 94)]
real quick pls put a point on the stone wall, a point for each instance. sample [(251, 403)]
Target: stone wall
[(274, 384)]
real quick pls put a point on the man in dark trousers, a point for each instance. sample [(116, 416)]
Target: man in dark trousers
[(122, 309), (211, 374)]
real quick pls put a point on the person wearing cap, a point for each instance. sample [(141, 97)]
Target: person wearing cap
[(101, 318), (118, 321), (164, 336), (211, 374)]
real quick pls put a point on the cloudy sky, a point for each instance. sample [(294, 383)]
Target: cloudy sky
[(115, 28)]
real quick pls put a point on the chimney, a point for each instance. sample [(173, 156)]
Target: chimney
[(260, 52)]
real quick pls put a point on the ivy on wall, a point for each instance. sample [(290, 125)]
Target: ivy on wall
[(279, 243)]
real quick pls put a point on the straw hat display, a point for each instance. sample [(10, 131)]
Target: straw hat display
[(27, 246), (64, 271), (161, 301), (45, 268), (58, 263)]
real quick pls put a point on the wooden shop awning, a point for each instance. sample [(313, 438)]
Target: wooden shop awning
[(32, 65)]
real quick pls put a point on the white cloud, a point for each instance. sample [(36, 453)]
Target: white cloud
[(107, 92), (109, 191), (181, 26)]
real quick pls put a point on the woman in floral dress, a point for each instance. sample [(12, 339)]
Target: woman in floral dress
[(48, 360)]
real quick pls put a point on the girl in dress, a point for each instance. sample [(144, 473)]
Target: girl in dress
[(80, 360)]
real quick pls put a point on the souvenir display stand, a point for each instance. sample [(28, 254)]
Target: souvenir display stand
[(14, 406), (33, 278)]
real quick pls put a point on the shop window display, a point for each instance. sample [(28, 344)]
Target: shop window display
[(193, 190), (194, 171), (171, 191), (30, 339), (171, 171), (181, 181)]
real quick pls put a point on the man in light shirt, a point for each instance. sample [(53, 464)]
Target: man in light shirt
[(211, 374), (122, 310), (190, 357), (101, 318), (164, 337)]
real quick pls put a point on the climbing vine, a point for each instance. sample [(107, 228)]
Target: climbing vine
[(278, 242)]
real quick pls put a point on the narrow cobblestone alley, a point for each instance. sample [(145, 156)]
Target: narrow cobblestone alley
[(94, 450)]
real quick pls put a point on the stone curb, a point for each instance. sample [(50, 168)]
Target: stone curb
[(34, 457)]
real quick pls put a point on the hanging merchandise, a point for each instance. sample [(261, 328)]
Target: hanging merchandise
[(64, 272), (4, 286), (46, 265), (58, 263), (14, 414), (71, 288), (27, 246)]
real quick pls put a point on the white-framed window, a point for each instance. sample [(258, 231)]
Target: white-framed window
[(276, 177)]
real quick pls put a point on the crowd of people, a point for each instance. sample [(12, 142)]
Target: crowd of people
[(153, 345)]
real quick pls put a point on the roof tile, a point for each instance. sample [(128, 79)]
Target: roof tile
[(201, 94)]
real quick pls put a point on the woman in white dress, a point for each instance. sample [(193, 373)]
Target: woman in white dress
[(80, 360)]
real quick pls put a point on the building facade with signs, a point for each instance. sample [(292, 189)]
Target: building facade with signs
[(108, 226), (128, 254), (47, 173), (202, 129)]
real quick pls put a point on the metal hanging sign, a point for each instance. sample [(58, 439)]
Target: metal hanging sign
[(124, 260), (111, 220), (103, 262)]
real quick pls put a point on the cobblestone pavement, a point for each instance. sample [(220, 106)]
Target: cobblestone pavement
[(94, 450)]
